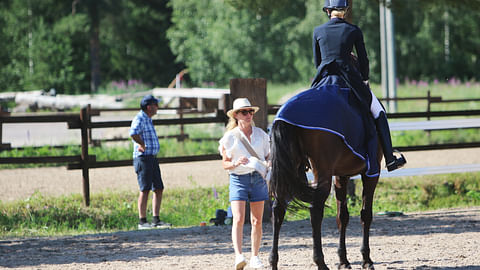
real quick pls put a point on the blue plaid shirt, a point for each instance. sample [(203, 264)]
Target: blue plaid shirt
[(143, 126)]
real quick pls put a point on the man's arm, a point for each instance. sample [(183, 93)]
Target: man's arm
[(141, 143)]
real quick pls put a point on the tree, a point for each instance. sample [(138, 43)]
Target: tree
[(41, 52), (218, 42), (264, 7), (135, 42), (55, 43)]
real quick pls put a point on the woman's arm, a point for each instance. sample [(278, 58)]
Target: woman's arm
[(363, 62), (317, 55), (229, 164)]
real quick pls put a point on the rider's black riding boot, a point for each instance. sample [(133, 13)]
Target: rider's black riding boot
[(383, 131)]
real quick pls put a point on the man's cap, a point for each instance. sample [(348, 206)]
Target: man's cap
[(148, 100)]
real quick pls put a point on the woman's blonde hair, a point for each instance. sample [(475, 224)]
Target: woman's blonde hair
[(233, 122), (339, 13)]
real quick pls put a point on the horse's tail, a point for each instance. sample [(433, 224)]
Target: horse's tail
[(288, 181)]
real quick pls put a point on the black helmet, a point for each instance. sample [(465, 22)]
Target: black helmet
[(335, 4)]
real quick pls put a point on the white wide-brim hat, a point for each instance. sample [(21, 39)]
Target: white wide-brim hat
[(240, 104)]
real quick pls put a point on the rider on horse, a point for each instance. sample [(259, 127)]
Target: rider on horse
[(332, 52)]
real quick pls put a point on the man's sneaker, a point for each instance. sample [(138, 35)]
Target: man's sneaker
[(144, 226), (240, 262), (161, 225), (255, 262)]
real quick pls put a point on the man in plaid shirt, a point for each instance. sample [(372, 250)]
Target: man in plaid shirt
[(145, 161)]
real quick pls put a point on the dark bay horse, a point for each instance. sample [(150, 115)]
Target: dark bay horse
[(293, 149)]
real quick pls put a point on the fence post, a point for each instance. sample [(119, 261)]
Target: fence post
[(84, 118), (1, 125), (256, 92), (429, 104), (3, 146), (89, 119), (429, 96), (181, 138)]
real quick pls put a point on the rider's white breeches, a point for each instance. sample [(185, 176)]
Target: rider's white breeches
[(375, 108)]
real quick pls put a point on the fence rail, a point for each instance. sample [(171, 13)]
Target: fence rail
[(83, 122), (48, 159)]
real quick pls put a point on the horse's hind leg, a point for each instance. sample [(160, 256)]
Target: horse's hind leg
[(366, 216), (278, 212), (316, 217), (342, 219)]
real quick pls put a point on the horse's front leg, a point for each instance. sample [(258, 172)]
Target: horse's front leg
[(316, 217), (366, 216), (342, 219), (278, 212)]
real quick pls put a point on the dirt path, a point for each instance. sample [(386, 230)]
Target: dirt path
[(447, 239), (22, 183)]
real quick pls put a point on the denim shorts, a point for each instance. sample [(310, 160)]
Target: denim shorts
[(148, 173), (248, 187)]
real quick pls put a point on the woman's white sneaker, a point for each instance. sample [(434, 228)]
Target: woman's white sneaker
[(255, 262), (240, 262)]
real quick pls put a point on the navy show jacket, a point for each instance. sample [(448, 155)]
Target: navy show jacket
[(334, 40)]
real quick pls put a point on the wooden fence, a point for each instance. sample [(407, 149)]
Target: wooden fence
[(83, 122), (85, 161)]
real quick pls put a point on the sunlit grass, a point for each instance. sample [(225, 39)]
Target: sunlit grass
[(111, 211), (412, 194)]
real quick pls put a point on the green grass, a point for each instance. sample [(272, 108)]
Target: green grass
[(446, 91), (413, 194), (117, 211), (276, 91), (109, 211)]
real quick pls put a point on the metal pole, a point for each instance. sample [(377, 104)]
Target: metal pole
[(392, 85), (383, 54), (387, 51)]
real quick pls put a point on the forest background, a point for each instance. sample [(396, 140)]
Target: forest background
[(81, 46)]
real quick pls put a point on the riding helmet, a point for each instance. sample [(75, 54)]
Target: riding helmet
[(335, 4)]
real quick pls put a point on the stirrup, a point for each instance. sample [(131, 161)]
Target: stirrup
[(397, 162)]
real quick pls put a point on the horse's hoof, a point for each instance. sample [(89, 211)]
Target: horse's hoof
[(345, 266), (323, 267), (273, 260)]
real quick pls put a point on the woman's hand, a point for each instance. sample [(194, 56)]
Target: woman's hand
[(229, 164), (242, 160)]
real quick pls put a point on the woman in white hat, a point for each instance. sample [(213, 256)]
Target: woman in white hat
[(245, 182)]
